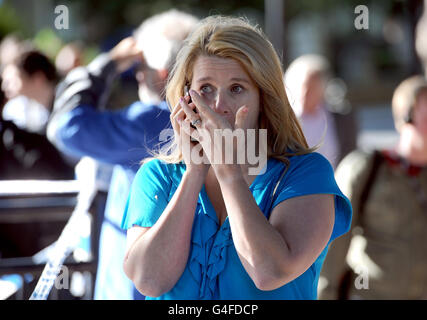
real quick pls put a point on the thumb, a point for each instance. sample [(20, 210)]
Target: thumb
[(241, 116)]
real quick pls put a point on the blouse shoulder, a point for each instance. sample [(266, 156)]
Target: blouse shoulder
[(313, 174), (156, 169)]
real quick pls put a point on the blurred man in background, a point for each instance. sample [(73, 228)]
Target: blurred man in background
[(421, 38), (333, 128), (81, 127), (29, 83), (385, 255), (25, 152)]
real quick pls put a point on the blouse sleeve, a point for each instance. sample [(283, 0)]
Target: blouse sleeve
[(313, 174), (148, 196)]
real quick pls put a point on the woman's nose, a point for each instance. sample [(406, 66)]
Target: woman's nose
[(222, 103)]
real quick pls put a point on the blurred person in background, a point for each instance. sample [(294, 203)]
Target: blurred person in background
[(81, 126), (27, 155), (10, 47), (385, 256), (421, 38), (29, 82), (333, 128), (69, 57)]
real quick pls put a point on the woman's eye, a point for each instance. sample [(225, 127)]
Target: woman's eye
[(236, 89), (206, 89)]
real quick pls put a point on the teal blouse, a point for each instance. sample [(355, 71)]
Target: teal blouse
[(214, 270)]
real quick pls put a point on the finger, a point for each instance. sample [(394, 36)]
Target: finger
[(175, 127), (179, 117), (187, 129), (201, 105), (175, 110), (178, 125), (191, 115), (241, 118), (187, 99)]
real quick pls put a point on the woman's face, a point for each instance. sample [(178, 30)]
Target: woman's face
[(226, 86)]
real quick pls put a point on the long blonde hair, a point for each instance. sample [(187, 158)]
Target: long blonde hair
[(235, 38)]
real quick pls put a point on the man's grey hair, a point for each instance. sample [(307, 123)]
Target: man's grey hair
[(305, 65), (161, 36), (299, 70)]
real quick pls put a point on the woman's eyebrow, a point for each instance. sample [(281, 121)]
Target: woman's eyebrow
[(204, 79), (240, 80), (231, 80)]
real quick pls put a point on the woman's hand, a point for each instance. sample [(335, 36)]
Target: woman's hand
[(191, 150), (212, 131)]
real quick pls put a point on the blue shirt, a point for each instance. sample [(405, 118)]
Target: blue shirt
[(122, 138), (214, 270)]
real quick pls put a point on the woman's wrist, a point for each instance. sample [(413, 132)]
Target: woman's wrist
[(196, 175), (228, 173)]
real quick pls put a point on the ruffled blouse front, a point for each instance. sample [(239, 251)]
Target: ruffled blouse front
[(208, 250), (214, 270)]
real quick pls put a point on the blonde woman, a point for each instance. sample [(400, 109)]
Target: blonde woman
[(210, 229)]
